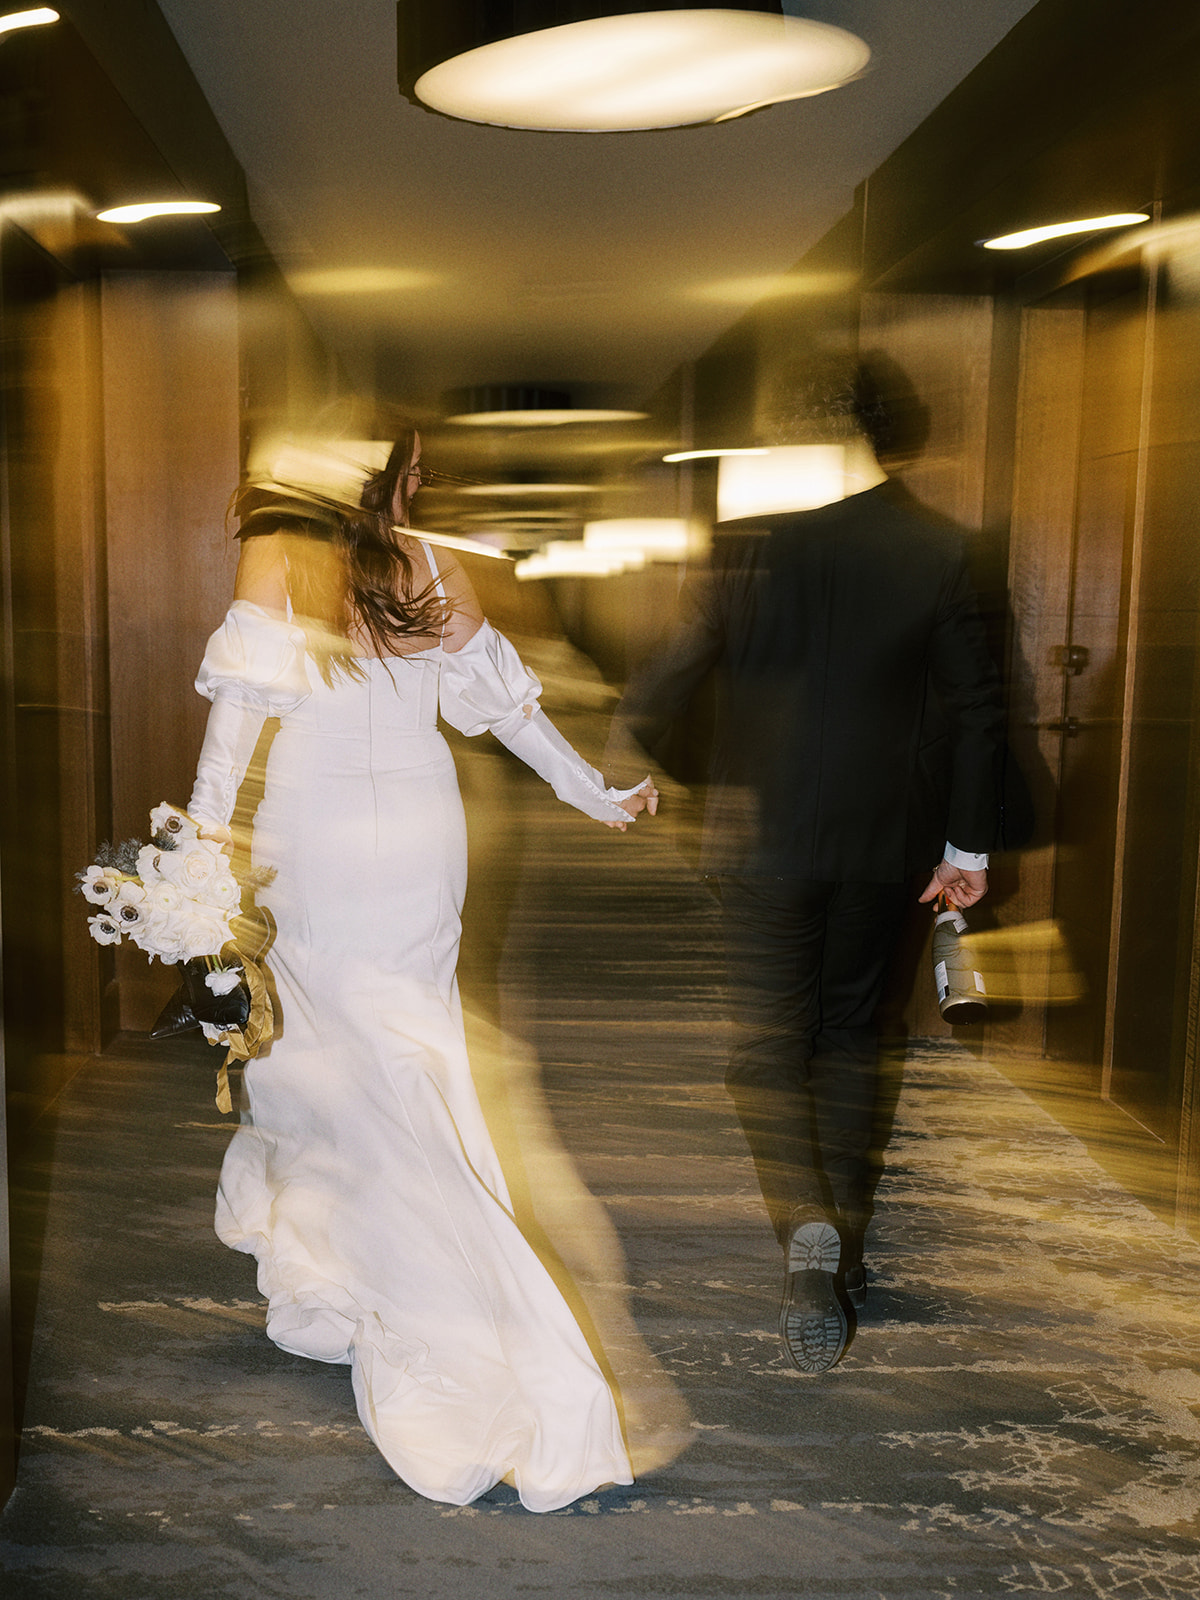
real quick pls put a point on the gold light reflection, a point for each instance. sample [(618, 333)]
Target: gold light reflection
[(1062, 230), (792, 478), (776, 286), (465, 546), (643, 538), (518, 491), (568, 558), (1031, 963), (337, 468), (361, 280)]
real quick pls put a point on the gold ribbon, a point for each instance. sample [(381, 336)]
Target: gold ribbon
[(245, 1043)]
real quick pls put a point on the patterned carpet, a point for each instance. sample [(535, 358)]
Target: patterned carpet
[(1018, 1412)]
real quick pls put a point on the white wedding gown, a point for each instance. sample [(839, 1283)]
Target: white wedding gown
[(362, 1176)]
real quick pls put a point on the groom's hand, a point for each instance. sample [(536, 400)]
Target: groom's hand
[(962, 886), (646, 799)]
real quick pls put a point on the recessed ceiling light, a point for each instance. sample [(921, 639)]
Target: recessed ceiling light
[(1060, 230), (157, 208), (702, 455), (653, 69), (36, 18)]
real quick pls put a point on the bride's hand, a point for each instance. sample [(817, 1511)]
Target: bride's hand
[(218, 831), (646, 799)]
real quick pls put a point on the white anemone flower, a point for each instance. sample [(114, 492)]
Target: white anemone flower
[(100, 885), (173, 822)]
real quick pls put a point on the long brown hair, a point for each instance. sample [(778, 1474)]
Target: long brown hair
[(348, 569), (380, 592)]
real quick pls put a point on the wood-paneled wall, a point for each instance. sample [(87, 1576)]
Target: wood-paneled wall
[(1040, 538), (89, 996), (171, 430)]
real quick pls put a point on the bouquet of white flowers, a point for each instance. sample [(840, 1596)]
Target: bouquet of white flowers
[(177, 898), (174, 897)]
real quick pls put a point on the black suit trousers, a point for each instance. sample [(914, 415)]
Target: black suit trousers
[(806, 965)]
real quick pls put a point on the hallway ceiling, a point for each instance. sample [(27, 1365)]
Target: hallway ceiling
[(432, 253)]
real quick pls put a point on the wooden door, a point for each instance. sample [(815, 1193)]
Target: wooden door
[(1106, 592), (1089, 658)]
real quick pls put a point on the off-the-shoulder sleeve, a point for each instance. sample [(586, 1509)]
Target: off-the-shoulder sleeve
[(486, 685), (256, 660)]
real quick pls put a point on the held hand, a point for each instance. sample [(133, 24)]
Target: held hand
[(219, 832), (962, 886), (646, 799)]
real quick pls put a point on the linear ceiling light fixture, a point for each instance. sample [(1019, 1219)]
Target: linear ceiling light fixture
[(37, 18), (1062, 230), (573, 66), (157, 208)]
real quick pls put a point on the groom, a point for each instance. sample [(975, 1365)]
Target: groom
[(857, 744)]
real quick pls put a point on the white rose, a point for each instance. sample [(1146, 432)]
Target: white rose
[(170, 820), (223, 891), (223, 980), (163, 898), (103, 929), (202, 931), (192, 865), (100, 885), (160, 936)]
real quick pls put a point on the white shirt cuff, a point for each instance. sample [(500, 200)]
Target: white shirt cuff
[(966, 859)]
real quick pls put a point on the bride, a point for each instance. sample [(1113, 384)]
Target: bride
[(362, 1176)]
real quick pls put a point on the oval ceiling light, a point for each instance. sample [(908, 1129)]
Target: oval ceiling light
[(1062, 230), (625, 71), (518, 405), (547, 418), (38, 17), (157, 208)]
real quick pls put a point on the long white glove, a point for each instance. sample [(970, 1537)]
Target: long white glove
[(539, 744), (253, 668), (487, 685), (229, 740)]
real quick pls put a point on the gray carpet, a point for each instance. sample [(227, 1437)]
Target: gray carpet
[(1017, 1413)]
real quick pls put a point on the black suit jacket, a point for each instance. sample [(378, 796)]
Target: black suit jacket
[(859, 719)]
